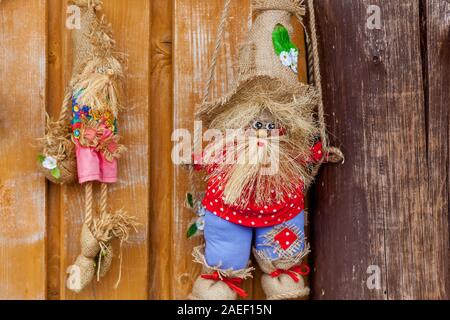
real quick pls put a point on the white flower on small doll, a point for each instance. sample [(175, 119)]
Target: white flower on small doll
[(200, 224), (286, 59), (50, 163), (201, 212)]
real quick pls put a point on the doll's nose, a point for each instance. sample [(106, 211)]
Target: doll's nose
[(262, 133)]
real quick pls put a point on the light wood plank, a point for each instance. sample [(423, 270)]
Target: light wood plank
[(161, 259), (22, 188)]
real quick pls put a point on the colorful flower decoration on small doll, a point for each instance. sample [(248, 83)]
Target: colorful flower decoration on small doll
[(256, 182), (84, 144)]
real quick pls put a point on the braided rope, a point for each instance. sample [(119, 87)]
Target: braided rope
[(104, 200), (316, 71), (335, 155), (89, 204), (220, 36), (65, 108)]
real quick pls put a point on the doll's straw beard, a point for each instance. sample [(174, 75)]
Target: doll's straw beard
[(259, 171)]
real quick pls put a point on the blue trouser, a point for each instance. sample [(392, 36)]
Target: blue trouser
[(228, 245)]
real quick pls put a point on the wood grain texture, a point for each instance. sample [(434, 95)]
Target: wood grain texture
[(22, 189), (379, 208), (55, 95), (437, 65), (161, 194), (132, 191)]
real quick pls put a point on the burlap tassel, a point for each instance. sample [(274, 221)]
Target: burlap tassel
[(97, 236), (206, 289), (279, 282)]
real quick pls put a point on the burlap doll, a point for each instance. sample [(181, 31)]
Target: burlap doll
[(255, 197), (83, 145)]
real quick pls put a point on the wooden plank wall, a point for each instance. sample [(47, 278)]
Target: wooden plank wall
[(388, 205), (386, 94), (23, 96)]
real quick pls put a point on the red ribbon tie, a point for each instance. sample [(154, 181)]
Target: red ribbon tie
[(233, 283), (302, 270)]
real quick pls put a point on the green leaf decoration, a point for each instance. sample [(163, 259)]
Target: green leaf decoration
[(56, 173), (192, 231), (41, 158), (281, 40), (190, 200)]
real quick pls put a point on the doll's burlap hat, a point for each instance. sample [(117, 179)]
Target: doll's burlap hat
[(260, 63)]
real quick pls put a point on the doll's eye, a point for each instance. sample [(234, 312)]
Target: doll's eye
[(271, 126), (257, 125)]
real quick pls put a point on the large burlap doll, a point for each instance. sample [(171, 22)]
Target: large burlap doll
[(245, 204), (83, 144)]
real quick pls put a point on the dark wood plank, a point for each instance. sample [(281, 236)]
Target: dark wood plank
[(377, 208), (437, 62)]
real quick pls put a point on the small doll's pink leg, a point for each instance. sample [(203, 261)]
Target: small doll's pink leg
[(88, 163), (108, 170)]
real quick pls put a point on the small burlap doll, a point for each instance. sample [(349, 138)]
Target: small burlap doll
[(83, 144), (256, 182)]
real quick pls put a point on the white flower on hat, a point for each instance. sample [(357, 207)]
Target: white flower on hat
[(50, 163), (294, 53), (286, 58), (294, 68)]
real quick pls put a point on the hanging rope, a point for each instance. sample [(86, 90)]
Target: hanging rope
[(333, 154), (103, 200), (220, 36), (89, 203), (207, 93)]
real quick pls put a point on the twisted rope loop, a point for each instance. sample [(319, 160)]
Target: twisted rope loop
[(336, 155)]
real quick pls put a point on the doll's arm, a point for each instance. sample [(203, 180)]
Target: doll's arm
[(317, 152)]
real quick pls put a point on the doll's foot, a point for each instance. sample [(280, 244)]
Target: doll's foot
[(216, 284), (212, 287), (283, 279)]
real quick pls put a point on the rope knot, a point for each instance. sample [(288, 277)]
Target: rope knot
[(294, 272), (232, 283)]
